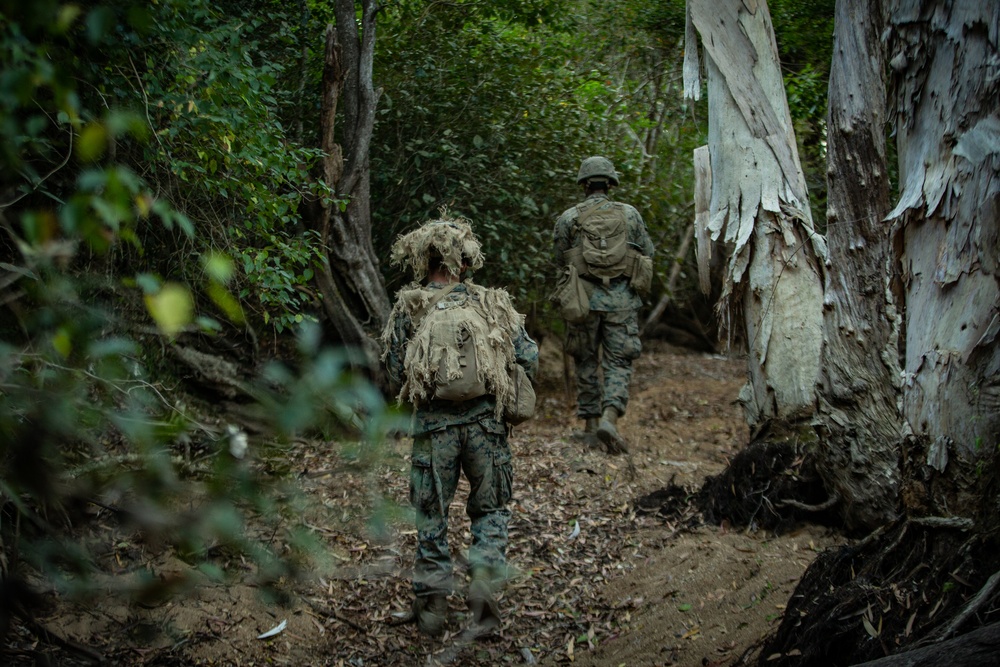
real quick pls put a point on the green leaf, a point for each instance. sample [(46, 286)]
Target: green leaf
[(172, 308), (62, 342), (92, 142), (227, 302), (219, 266)]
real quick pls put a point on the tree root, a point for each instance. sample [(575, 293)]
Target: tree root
[(973, 649), (76, 648), (822, 507), (944, 522), (904, 585), (768, 485), (971, 607)]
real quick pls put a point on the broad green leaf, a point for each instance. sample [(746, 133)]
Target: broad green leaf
[(92, 142), (172, 308)]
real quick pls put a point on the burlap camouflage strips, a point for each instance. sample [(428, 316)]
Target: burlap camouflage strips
[(481, 451)]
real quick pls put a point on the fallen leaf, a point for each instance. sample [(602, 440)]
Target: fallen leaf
[(273, 631), (869, 628)]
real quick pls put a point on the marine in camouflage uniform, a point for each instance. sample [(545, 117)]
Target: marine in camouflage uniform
[(609, 337), (450, 438)]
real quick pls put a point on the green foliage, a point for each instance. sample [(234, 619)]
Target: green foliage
[(142, 164), (222, 153), (804, 35), (492, 117)]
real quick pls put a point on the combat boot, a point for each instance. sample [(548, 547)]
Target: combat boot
[(431, 613), (588, 435), (607, 431), (484, 607)]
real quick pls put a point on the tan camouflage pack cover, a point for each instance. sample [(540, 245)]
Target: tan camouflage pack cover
[(494, 350)]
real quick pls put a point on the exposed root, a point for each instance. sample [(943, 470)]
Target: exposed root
[(911, 580), (768, 485), (973, 606), (673, 503), (822, 507)]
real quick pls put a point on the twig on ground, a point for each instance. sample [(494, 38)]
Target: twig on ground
[(51, 637), (970, 608), (332, 614), (825, 505)]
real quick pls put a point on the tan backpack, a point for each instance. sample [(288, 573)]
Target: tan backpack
[(604, 239), (444, 353), (604, 251), (461, 348)]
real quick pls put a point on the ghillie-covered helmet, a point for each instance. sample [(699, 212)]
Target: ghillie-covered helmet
[(597, 166), (449, 236)]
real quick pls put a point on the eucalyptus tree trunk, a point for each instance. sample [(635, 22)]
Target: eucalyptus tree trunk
[(946, 69), (859, 419), (773, 287), (354, 296)]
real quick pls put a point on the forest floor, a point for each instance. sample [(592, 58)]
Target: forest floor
[(603, 576)]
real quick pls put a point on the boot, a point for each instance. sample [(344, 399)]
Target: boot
[(484, 607), (431, 613), (607, 431), (588, 435)]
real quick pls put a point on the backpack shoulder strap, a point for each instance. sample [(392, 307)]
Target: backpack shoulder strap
[(584, 211), (585, 214), (418, 316)]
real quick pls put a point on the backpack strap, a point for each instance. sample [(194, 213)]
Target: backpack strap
[(583, 214), (433, 302)]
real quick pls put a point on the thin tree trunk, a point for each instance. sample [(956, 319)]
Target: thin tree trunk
[(671, 286), (354, 296), (860, 424), (946, 70)]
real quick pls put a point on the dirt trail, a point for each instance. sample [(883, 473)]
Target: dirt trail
[(600, 581)]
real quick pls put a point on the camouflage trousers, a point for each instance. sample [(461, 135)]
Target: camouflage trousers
[(609, 340), (480, 451)]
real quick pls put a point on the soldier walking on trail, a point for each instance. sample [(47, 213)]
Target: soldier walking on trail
[(604, 245), (451, 346)]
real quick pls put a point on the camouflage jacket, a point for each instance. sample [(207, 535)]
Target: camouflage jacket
[(618, 295), (436, 415)]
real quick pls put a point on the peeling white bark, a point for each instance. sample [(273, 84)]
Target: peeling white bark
[(702, 202), (947, 69), (759, 208)]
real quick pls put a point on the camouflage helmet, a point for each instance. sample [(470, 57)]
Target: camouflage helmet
[(449, 236), (597, 166)]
